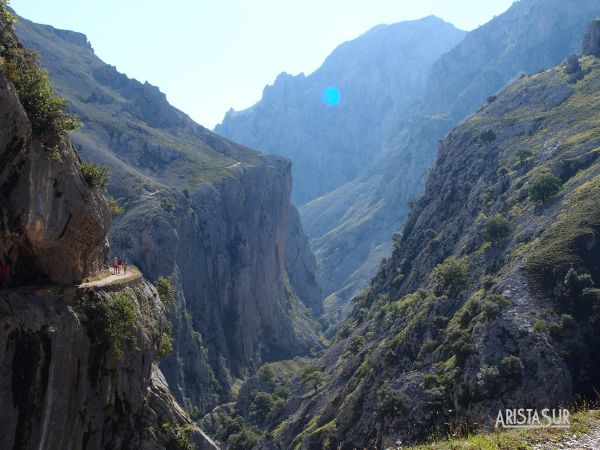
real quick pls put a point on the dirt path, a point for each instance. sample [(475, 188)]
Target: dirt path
[(131, 275)]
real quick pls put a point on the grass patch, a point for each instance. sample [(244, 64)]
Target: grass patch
[(515, 439)]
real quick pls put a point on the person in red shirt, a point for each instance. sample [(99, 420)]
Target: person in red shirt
[(115, 266)]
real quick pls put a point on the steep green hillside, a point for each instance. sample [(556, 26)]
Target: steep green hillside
[(490, 298), (350, 228)]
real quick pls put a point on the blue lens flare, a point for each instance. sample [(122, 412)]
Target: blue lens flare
[(331, 96)]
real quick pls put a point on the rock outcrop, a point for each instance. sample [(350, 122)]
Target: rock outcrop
[(591, 42), (53, 226)]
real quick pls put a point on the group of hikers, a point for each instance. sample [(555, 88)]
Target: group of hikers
[(4, 272), (118, 264)]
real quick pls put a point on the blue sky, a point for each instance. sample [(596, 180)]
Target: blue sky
[(210, 55)]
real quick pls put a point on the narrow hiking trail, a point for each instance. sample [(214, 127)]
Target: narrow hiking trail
[(132, 274)]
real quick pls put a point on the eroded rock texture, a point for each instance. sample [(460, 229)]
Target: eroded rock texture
[(53, 226)]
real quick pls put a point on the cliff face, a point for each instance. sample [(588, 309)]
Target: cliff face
[(206, 211), (52, 225), (227, 245), (372, 81), (350, 228), (77, 364), (490, 298), (64, 386)]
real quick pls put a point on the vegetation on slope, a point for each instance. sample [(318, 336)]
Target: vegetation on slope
[(46, 110), (489, 299)]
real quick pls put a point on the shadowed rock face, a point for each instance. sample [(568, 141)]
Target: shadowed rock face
[(53, 226), (591, 43), (61, 387)]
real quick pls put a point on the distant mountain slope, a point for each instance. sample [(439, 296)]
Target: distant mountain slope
[(214, 215), (490, 299), (351, 228), (377, 75)]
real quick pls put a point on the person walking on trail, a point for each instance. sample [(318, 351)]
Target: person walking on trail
[(124, 266), (120, 261), (115, 266), (4, 272)]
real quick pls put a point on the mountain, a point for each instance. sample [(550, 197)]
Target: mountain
[(210, 214), (489, 300), (333, 122), (78, 361), (350, 228)]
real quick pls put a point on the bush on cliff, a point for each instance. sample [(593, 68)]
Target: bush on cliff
[(46, 110)]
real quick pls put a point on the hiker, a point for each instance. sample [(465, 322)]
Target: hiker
[(115, 266), (120, 262), (125, 266), (4, 272)]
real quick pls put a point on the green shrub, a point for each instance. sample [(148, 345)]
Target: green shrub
[(399, 278), (496, 229), (544, 186), (356, 344), (95, 176), (165, 341), (428, 346), (114, 207), (181, 440), (488, 281), (459, 344), (164, 287), (45, 109), (266, 374), (523, 154), (391, 403), (488, 380), (109, 323), (567, 323), (511, 369), (540, 327), (452, 273), (262, 405), (431, 380), (430, 234), (344, 331), (246, 439), (492, 306), (312, 377)]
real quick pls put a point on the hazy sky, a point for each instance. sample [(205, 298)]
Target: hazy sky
[(210, 55)]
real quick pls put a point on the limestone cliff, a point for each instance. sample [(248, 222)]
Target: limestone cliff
[(77, 361), (52, 225), (210, 213)]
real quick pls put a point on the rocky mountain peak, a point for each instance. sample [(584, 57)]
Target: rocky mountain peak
[(591, 42)]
